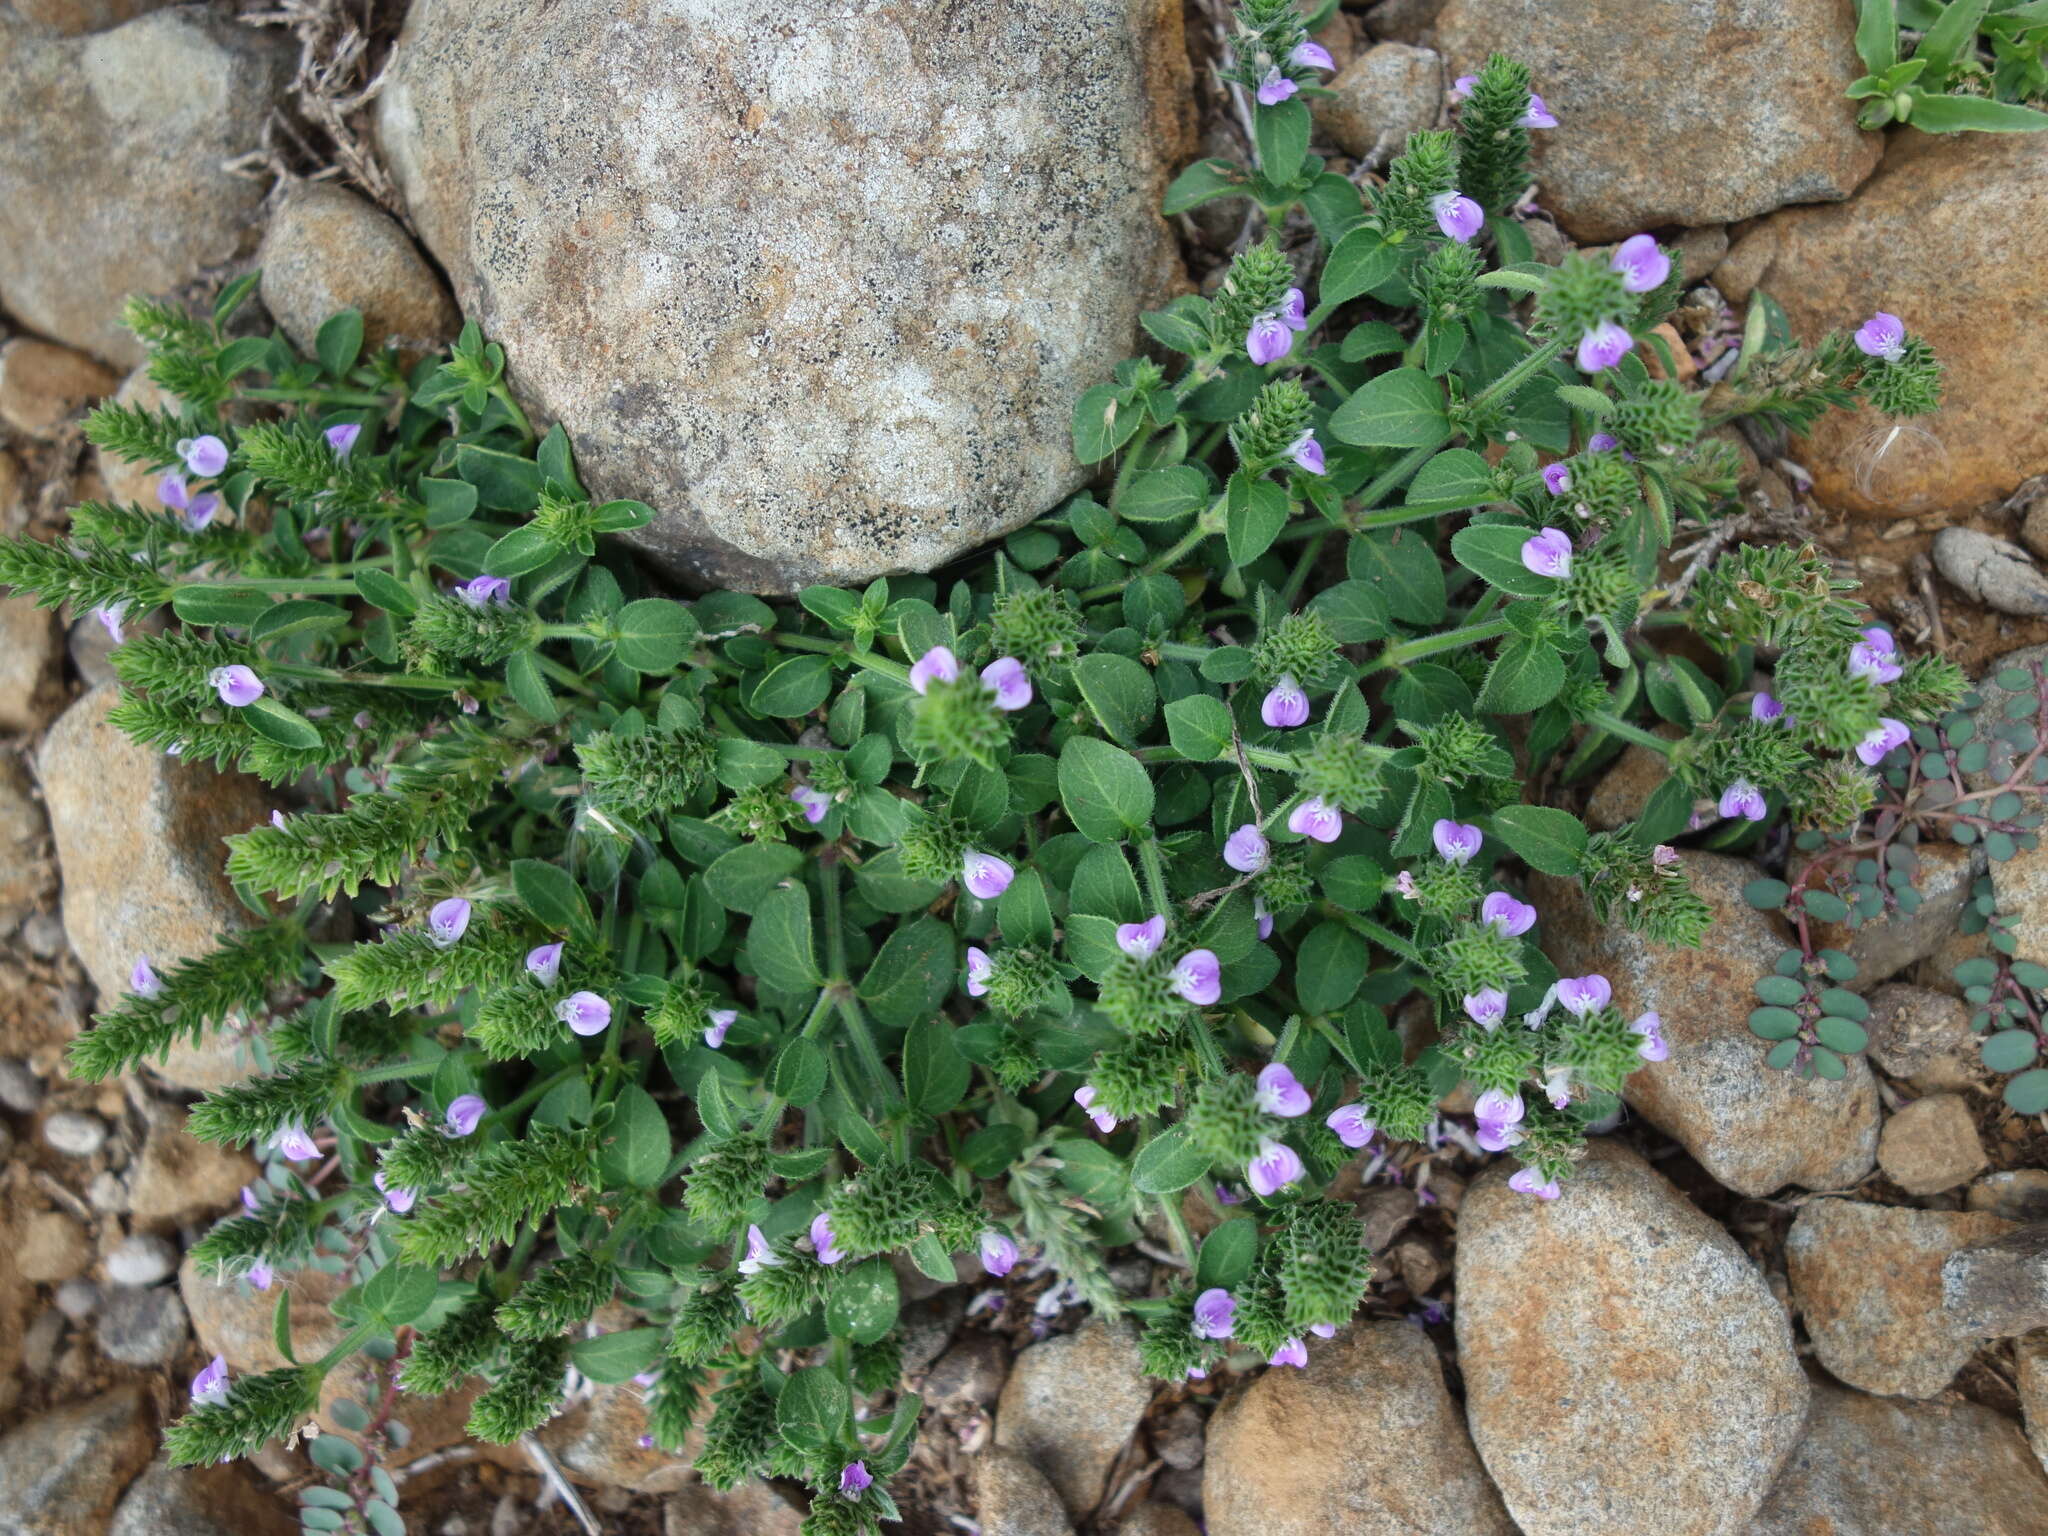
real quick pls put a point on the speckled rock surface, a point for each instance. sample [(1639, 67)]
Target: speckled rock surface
[(1931, 1144), (1884, 948), (200, 1501), (62, 1471), (327, 250), (1070, 1404), (1618, 1315), (1012, 1497), (804, 281), (1382, 96), (1999, 1287)]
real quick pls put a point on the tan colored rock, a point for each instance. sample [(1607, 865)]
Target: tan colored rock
[(43, 385), (2019, 1194), (2021, 884), (29, 652), (200, 1501), (1700, 251), (1927, 240), (1753, 120), (1159, 1520), (1923, 1037), (1998, 1288), (752, 1509), (177, 1179), (1874, 1466), (71, 17), (1364, 1440), (2030, 1378), (1931, 1145), (13, 494), (1867, 1280), (1884, 948), (1012, 1497), (1410, 21), (1382, 96), (1625, 788), (24, 843), (598, 1442), (53, 1248), (1617, 1314), (1070, 1404), (329, 250), (61, 1472), (1753, 1129), (135, 484)]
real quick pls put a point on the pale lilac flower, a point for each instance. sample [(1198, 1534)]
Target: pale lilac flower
[(1277, 1166), (400, 1199), (722, 1021), (998, 1252), (935, 665), (1084, 1096), (1872, 657), (1581, 995), (1499, 1116), (1743, 799), (1198, 978), (260, 1275), (170, 490), (1225, 1195), (645, 1442), (1457, 215), (759, 1255), (1488, 1007), (1463, 86), (1285, 705), (1766, 709), (986, 875), (979, 969), (1329, 1330), (250, 1201), (1404, 883), (1317, 820), (854, 1479), (1307, 453), (1889, 735), (447, 922), (1215, 1313), (1268, 340), (342, 439), (1557, 479), (205, 456), (1245, 850), (1641, 264), (484, 591), (1142, 940), (277, 820), (544, 962), (293, 1143), (1262, 918), (1603, 346), (205, 507), (814, 803), (1557, 1086), (465, 1113), (1548, 553), (1196, 1373), (1512, 917), (142, 980), (1602, 442), (1455, 840), (1275, 88), (1280, 1092), (211, 1385), (1654, 1046), (828, 1249), (1006, 678), (1538, 115), (236, 685), (1352, 1124), (585, 1013), (1293, 1352), (1309, 54), (1293, 310), (1528, 1181), (1882, 335)]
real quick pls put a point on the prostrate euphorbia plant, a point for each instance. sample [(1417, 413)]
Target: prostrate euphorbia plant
[(727, 951)]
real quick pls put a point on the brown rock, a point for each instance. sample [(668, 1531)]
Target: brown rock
[(1867, 1279), (29, 651), (330, 250), (1070, 1404), (1158, 1520), (2030, 1378), (1013, 1497), (1926, 239), (62, 1471), (1755, 119), (2020, 1194), (1410, 21), (135, 483), (13, 494), (752, 1509), (1884, 948), (42, 385), (2021, 884), (200, 1501), (1923, 1037), (1618, 1314), (1931, 1145), (1382, 96), (1364, 1440), (70, 17), (1873, 1466), (1700, 251), (1625, 788), (1999, 1287), (177, 1179), (25, 866), (1753, 1129), (598, 1442), (969, 1375), (53, 1248)]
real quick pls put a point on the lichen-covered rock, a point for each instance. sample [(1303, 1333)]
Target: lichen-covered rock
[(1923, 1037), (1626, 1367), (1999, 1287), (62, 1471), (1070, 1404), (1688, 112), (328, 250), (1887, 946), (1380, 97), (1753, 1129), (113, 169), (1931, 1145), (1012, 1497), (1365, 1440), (820, 286)]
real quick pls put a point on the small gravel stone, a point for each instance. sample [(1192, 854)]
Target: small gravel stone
[(970, 1375), (78, 1299), (1931, 1145), (43, 933), (107, 1194), (52, 1248), (20, 1089), (39, 1343), (74, 1133), (143, 1327), (142, 1259), (1995, 573)]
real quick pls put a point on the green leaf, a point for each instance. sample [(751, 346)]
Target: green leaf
[(1355, 611), (278, 723), (281, 1324), (1766, 895), (1253, 516), (1120, 691), (1949, 36), (1402, 564), (1959, 114), (1493, 552), (1457, 475), (794, 688), (552, 895), (779, 943), (652, 634), (1168, 1163), (1203, 182), (1839, 1034), (1525, 676), (637, 1152), (2028, 1093), (1106, 791), (529, 686), (1545, 839), (1877, 35), (1774, 1023), (296, 616), (1828, 1065), (214, 605), (505, 482), (398, 1293), (812, 1408), (932, 1260), (1199, 727), (1330, 965), (617, 1357), (519, 552), (913, 973), (935, 1075), (1824, 905), (340, 341), (798, 1074), (739, 878), (1282, 136), (1103, 423), (1024, 912), (1353, 881), (1161, 495), (862, 1305), (990, 1151), (2009, 1050), (1183, 326), (448, 502), (1227, 1253), (1403, 408), (1782, 1055), (1784, 991), (745, 764), (383, 590), (1359, 263)]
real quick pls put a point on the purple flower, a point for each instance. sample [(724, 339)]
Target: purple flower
[(1275, 88), (447, 922), (1198, 978), (1262, 918), (544, 962), (1654, 1046), (759, 1255), (109, 615), (1276, 1166), (1215, 1313), (1084, 1096), (1538, 115), (205, 456), (1225, 1195), (986, 875), (211, 1384), (1352, 1124), (1603, 346), (1766, 709), (202, 511), (172, 493), (342, 439), (1557, 479), (1317, 820), (935, 665), (1329, 1330), (1280, 1093), (1457, 215), (1871, 657), (828, 1249), (1309, 54), (721, 1023), (1463, 86), (1455, 840), (1307, 453), (483, 591), (1512, 917), (1488, 1007), (1663, 855), (250, 1201), (277, 820), (400, 1199), (1245, 850), (1557, 1086), (1581, 995), (1882, 335), (1293, 1352), (1006, 678), (979, 969), (1602, 442), (142, 981), (1528, 1181), (1743, 799), (813, 802), (1889, 735), (1142, 940), (998, 1252), (1499, 1114), (465, 1113), (1284, 707), (236, 685), (293, 1144), (1548, 553), (1642, 266), (1268, 340), (1293, 310), (585, 1013), (854, 1479)]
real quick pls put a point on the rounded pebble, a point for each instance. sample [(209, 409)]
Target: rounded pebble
[(20, 1089), (142, 1259), (78, 1299), (75, 1134)]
